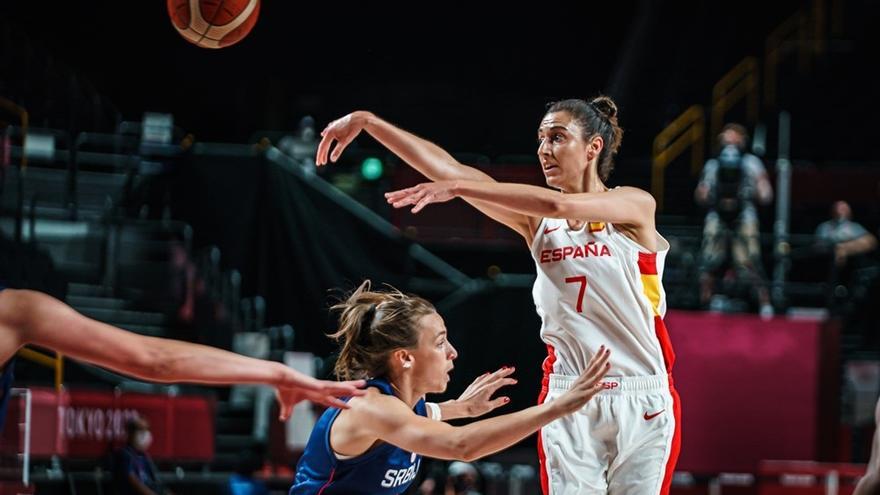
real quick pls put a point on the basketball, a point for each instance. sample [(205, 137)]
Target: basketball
[(213, 23)]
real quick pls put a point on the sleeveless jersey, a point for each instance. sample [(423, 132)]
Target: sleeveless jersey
[(597, 286), (382, 470)]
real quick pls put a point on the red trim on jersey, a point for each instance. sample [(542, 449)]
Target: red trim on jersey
[(332, 472), (547, 367), (648, 263), (665, 343), (675, 448), (549, 361)]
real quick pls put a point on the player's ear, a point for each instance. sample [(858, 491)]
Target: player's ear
[(403, 359)]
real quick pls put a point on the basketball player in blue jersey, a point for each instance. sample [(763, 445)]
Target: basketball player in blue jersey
[(30, 317), (599, 261), (399, 343)]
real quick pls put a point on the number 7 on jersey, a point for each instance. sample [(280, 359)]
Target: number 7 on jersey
[(580, 279)]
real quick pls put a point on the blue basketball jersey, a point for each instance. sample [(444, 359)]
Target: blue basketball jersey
[(382, 470)]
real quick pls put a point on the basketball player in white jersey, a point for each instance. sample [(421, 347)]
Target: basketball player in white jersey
[(599, 263)]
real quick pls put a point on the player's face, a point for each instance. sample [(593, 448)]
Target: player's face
[(562, 151), (434, 355)]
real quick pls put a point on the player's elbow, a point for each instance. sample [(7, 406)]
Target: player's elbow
[(471, 453), (14, 309), (464, 448), (469, 456), (20, 311)]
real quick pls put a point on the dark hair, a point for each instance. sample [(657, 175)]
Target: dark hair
[(737, 128), (372, 325), (598, 116), (135, 424)]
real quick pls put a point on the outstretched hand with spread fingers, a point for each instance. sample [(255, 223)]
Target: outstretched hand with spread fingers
[(422, 195)]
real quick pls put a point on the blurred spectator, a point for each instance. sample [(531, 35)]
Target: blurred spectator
[(182, 282), (463, 479), (302, 145), (243, 482), (133, 470), (850, 246), (730, 186), (843, 236)]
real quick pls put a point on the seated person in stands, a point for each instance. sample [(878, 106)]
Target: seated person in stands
[(853, 271), (133, 470), (844, 237)]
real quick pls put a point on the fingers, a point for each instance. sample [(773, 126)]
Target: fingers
[(425, 201), (334, 402), (324, 146), (498, 402), (353, 388), (408, 200), (502, 382), (286, 410), (475, 385), (597, 367), (505, 371), (340, 146), (488, 383), (400, 193), (405, 197), (599, 360), (500, 379), (285, 407)]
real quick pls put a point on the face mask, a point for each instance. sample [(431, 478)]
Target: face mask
[(143, 440), (730, 156)]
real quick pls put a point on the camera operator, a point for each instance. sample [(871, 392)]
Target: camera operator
[(730, 187)]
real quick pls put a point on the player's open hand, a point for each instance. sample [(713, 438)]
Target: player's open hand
[(422, 195), (588, 384), (318, 391), (477, 400), (342, 132)]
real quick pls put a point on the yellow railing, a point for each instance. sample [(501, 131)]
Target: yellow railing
[(739, 83), (687, 130), (56, 363), (22, 115)]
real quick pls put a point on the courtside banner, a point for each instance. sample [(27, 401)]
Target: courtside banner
[(752, 389), (89, 423)]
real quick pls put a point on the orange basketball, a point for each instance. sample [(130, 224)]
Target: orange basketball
[(213, 23)]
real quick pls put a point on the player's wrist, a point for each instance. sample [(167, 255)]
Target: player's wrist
[(454, 409), (557, 408), (283, 375), (457, 188), (364, 118)]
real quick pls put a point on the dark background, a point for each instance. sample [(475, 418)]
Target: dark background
[(473, 77)]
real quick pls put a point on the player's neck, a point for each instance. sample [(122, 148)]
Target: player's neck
[(404, 391), (591, 183)]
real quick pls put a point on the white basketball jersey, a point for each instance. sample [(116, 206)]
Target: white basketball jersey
[(596, 286)]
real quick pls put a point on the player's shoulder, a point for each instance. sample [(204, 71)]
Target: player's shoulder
[(375, 402), (636, 194)]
